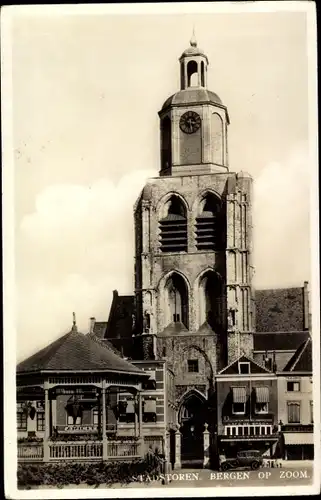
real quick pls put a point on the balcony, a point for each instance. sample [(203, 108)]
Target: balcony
[(255, 418)]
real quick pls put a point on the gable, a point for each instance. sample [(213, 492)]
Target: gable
[(233, 368)]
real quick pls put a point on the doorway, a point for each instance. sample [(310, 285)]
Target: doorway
[(192, 418)]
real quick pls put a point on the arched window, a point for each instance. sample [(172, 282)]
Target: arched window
[(207, 224), (173, 226), (211, 300), (192, 74), (176, 300), (166, 146)]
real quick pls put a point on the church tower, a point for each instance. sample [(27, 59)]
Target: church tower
[(193, 231)]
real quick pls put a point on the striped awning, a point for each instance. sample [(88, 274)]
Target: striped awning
[(239, 394), (262, 394), (298, 438)]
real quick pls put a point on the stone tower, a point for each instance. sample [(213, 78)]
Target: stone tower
[(193, 233)]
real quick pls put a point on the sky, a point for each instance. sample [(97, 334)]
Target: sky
[(86, 90)]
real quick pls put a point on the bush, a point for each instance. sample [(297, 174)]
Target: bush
[(94, 474)]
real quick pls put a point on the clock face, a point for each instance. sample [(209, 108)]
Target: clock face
[(190, 122)]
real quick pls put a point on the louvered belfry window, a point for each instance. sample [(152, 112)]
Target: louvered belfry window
[(173, 227), (207, 224)]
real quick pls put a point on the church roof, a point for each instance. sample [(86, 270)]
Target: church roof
[(190, 96), (76, 352), (301, 360), (280, 309), (279, 341)]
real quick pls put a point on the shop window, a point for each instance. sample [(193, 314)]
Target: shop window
[(70, 420), (95, 416), (40, 421), (21, 421), (293, 386), (192, 365), (293, 413)]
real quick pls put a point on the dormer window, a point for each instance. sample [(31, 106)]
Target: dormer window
[(244, 368)]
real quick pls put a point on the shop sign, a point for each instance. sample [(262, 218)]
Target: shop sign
[(79, 428)]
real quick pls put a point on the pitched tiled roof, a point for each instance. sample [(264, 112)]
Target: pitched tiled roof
[(174, 328), (301, 360), (279, 341), (76, 352), (280, 309)]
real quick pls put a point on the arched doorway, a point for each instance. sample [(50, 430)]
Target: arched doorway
[(192, 417)]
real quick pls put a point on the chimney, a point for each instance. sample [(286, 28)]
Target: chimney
[(306, 306), (92, 322)]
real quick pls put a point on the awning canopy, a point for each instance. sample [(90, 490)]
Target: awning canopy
[(262, 394), (239, 394), (150, 406), (298, 438)]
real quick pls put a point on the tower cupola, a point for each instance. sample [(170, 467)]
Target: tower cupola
[(193, 122), (193, 63)]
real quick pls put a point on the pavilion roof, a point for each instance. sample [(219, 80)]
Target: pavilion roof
[(76, 352)]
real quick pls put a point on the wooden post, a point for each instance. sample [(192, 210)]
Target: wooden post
[(104, 421), (46, 451)]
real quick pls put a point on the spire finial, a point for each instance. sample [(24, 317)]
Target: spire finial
[(74, 325), (193, 41)]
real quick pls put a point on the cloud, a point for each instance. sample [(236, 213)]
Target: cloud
[(72, 252), (78, 246), (281, 221)]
